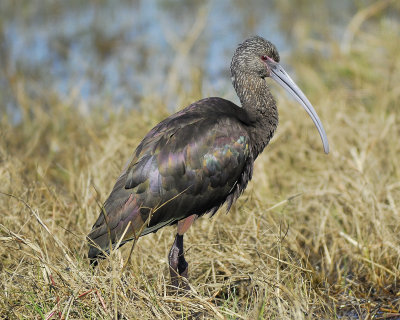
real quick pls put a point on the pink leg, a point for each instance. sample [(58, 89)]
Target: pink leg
[(178, 267), (185, 224)]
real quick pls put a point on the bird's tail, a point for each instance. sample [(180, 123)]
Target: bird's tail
[(98, 247), (121, 225), (95, 253)]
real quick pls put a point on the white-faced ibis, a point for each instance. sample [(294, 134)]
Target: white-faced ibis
[(198, 158)]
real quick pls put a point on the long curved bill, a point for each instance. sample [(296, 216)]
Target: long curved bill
[(279, 75)]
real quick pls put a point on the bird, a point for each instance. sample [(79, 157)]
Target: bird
[(197, 159)]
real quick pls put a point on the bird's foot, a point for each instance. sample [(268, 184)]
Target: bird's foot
[(183, 268), (178, 267)]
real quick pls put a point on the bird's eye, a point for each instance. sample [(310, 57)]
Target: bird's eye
[(264, 58)]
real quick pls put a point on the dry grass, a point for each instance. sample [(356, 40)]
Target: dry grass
[(314, 236)]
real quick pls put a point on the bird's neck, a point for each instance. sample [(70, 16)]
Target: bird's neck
[(257, 100)]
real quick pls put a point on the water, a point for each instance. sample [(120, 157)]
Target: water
[(98, 52)]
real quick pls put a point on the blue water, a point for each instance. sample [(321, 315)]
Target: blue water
[(115, 53)]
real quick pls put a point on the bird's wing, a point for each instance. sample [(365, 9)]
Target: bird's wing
[(188, 164)]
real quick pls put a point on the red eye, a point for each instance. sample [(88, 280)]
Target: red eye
[(264, 58)]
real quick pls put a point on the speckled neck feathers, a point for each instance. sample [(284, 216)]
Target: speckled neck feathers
[(257, 100)]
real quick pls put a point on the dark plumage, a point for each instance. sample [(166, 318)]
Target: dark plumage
[(199, 158)]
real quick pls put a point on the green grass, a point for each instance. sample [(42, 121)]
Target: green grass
[(313, 236)]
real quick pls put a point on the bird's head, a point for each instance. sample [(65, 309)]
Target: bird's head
[(251, 56), (257, 57)]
